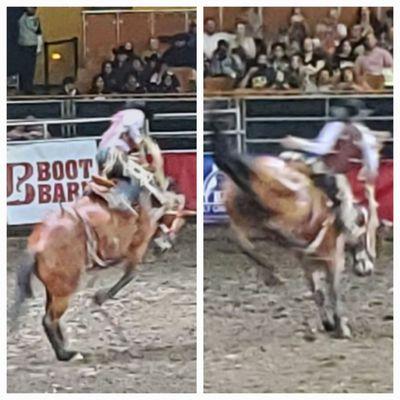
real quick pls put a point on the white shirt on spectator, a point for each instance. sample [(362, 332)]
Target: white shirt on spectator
[(129, 121), (247, 44), (211, 42)]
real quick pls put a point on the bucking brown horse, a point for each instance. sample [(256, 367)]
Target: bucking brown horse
[(278, 199), (88, 234)]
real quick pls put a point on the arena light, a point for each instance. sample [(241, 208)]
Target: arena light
[(56, 56)]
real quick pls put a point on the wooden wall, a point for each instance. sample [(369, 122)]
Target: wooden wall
[(59, 23), (101, 32)]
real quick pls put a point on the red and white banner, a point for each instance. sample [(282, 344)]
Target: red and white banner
[(181, 167), (42, 175)]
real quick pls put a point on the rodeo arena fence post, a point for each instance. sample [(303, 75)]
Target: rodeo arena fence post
[(44, 174), (257, 123)]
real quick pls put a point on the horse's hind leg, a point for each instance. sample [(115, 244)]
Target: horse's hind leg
[(55, 308), (265, 269), (335, 270), (104, 294)]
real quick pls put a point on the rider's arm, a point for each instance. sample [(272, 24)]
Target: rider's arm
[(370, 150), (324, 142)]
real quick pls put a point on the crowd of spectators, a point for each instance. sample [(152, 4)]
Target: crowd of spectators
[(333, 56), (150, 71)]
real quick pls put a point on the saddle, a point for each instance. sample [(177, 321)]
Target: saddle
[(119, 194)]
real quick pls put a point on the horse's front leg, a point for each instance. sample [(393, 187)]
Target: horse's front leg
[(335, 269), (316, 275), (104, 294)]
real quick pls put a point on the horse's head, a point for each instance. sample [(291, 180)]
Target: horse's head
[(363, 256)]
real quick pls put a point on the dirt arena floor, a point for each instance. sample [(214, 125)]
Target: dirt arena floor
[(257, 338), (144, 341)]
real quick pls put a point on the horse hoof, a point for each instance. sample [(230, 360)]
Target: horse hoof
[(78, 357), (101, 296), (345, 332), (66, 355), (343, 329), (329, 326)]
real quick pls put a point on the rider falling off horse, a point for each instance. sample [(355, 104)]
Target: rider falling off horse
[(338, 144)]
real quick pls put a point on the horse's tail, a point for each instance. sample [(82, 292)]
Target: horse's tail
[(23, 288), (260, 184), (230, 162)]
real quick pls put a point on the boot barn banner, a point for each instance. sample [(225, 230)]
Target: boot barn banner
[(42, 175), (214, 210)]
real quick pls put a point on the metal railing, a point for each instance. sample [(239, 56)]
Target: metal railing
[(45, 123), (245, 116), (245, 119), (68, 115)]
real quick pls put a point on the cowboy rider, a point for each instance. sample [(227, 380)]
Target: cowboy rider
[(115, 159), (337, 144)]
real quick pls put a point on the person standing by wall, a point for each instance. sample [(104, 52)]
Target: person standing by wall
[(30, 41)]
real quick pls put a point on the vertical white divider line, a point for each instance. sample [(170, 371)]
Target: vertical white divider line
[(199, 206), (396, 273), (3, 205)]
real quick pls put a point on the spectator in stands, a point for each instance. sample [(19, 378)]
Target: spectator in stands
[(368, 22), (279, 61), (375, 59), (152, 63), (313, 62), (30, 43), (357, 40), (259, 76), (386, 34), (324, 80), (121, 67), (155, 82), (347, 80), (182, 52), (211, 37), (245, 42), (281, 80), (129, 49), (298, 28), (108, 75), (138, 69), (344, 55), (222, 63), (132, 85), (255, 24), (154, 48), (294, 74), (240, 61), (98, 86), (283, 37), (169, 83), (385, 40), (69, 87), (330, 31)]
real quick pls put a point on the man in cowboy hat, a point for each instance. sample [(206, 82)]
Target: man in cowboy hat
[(339, 142)]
